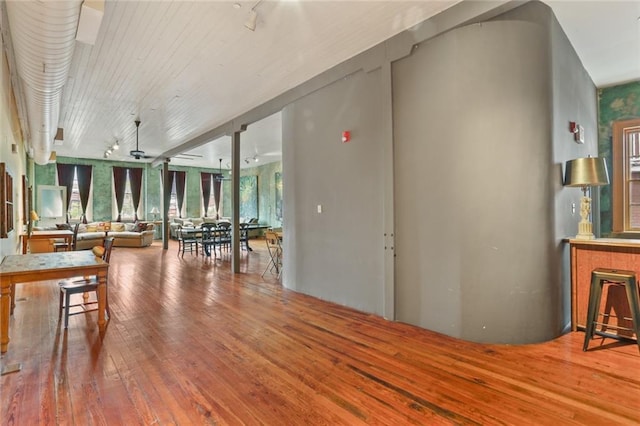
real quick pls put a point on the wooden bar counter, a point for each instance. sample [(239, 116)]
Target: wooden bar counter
[(29, 241), (586, 255)]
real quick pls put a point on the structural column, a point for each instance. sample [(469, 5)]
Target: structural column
[(235, 199), (166, 197)]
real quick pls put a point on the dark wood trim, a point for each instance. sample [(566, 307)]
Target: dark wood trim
[(619, 196)]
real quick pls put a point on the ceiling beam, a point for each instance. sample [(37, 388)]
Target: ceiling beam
[(399, 46)]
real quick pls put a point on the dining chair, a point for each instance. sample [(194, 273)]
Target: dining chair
[(187, 241), (275, 253), (244, 236), (64, 245), (224, 235), (208, 239), (83, 285)]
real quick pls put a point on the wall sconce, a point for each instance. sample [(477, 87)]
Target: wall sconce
[(585, 173), (252, 17), (577, 130), (58, 139)]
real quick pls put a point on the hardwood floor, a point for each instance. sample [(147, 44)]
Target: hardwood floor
[(190, 343)]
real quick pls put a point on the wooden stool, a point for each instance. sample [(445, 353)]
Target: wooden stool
[(599, 278)]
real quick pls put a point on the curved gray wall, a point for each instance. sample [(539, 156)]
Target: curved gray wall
[(447, 212), (473, 179)]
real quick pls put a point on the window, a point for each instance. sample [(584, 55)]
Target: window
[(173, 201), (211, 211), (626, 176), (128, 212), (75, 206)]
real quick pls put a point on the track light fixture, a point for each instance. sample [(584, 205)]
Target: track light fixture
[(112, 148), (249, 159)]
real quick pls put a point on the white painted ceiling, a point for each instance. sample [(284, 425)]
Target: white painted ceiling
[(187, 67), (184, 68), (606, 36)]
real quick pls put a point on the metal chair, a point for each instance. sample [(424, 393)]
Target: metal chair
[(187, 241), (599, 278), (83, 285), (64, 245), (208, 239), (275, 253), (244, 236), (224, 235)]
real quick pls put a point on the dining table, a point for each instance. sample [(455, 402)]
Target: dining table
[(27, 268)]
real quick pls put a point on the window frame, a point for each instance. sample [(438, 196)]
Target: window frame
[(621, 177), (74, 200), (173, 201), (127, 202)]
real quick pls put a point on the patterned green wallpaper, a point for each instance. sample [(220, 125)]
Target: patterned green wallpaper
[(266, 193), (102, 182), (152, 190), (615, 103)]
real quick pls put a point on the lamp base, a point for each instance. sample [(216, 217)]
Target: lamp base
[(585, 231), (585, 237)]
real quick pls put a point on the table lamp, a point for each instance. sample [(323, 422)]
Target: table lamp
[(585, 173), (33, 216), (154, 211)]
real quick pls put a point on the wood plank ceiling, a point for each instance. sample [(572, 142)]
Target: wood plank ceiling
[(184, 68)]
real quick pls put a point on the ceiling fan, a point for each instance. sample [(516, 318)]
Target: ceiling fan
[(220, 176), (136, 153)]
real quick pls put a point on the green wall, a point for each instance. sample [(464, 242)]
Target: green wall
[(615, 103), (102, 182), (266, 193), (152, 190)]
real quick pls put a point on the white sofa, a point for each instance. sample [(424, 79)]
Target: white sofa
[(125, 234)]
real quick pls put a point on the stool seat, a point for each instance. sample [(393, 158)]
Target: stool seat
[(604, 276)]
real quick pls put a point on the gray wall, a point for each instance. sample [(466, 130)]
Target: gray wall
[(480, 136), (473, 172), (574, 99), (337, 254)]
